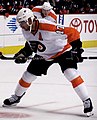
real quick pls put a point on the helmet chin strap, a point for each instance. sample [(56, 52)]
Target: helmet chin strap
[(30, 25)]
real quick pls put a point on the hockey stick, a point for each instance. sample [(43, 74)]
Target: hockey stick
[(2, 57)]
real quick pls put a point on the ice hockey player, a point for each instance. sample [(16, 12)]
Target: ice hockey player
[(44, 38), (46, 11)]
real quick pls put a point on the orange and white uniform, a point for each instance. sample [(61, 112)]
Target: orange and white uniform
[(51, 41), (72, 33), (37, 11)]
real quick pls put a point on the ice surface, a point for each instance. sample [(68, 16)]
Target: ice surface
[(50, 97)]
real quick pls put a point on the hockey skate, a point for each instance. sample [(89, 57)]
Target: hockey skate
[(12, 101), (88, 107)]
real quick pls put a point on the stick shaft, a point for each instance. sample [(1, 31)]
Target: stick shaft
[(90, 57), (9, 58), (2, 57), (12, 58)]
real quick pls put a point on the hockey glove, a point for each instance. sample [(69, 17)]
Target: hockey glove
[(76, 53), (20, 58), (23, 54), (77, 50)]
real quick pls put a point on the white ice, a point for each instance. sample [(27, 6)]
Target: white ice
[(50, 97)]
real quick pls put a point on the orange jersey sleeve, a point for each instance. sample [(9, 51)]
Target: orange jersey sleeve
[(72, 34)]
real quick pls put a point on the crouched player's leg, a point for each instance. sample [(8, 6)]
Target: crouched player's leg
[(79, 86), (69, 69), (23, 84), (37, 67)]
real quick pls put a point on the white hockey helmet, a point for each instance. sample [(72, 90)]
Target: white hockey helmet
[(24, 14), (46, 6)]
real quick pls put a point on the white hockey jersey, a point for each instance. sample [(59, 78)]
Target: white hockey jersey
[(51, 16), (49, 40)]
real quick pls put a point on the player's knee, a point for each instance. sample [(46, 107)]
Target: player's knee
[(28, 77), (71, 73)]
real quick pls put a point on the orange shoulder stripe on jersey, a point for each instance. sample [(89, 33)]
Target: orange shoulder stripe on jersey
[(36, 10), (23, 83), (53, 15), (77, 81), (47, 27), (61, 52)]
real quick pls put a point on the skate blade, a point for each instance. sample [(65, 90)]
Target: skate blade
[(89, 114), (13, 105)]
